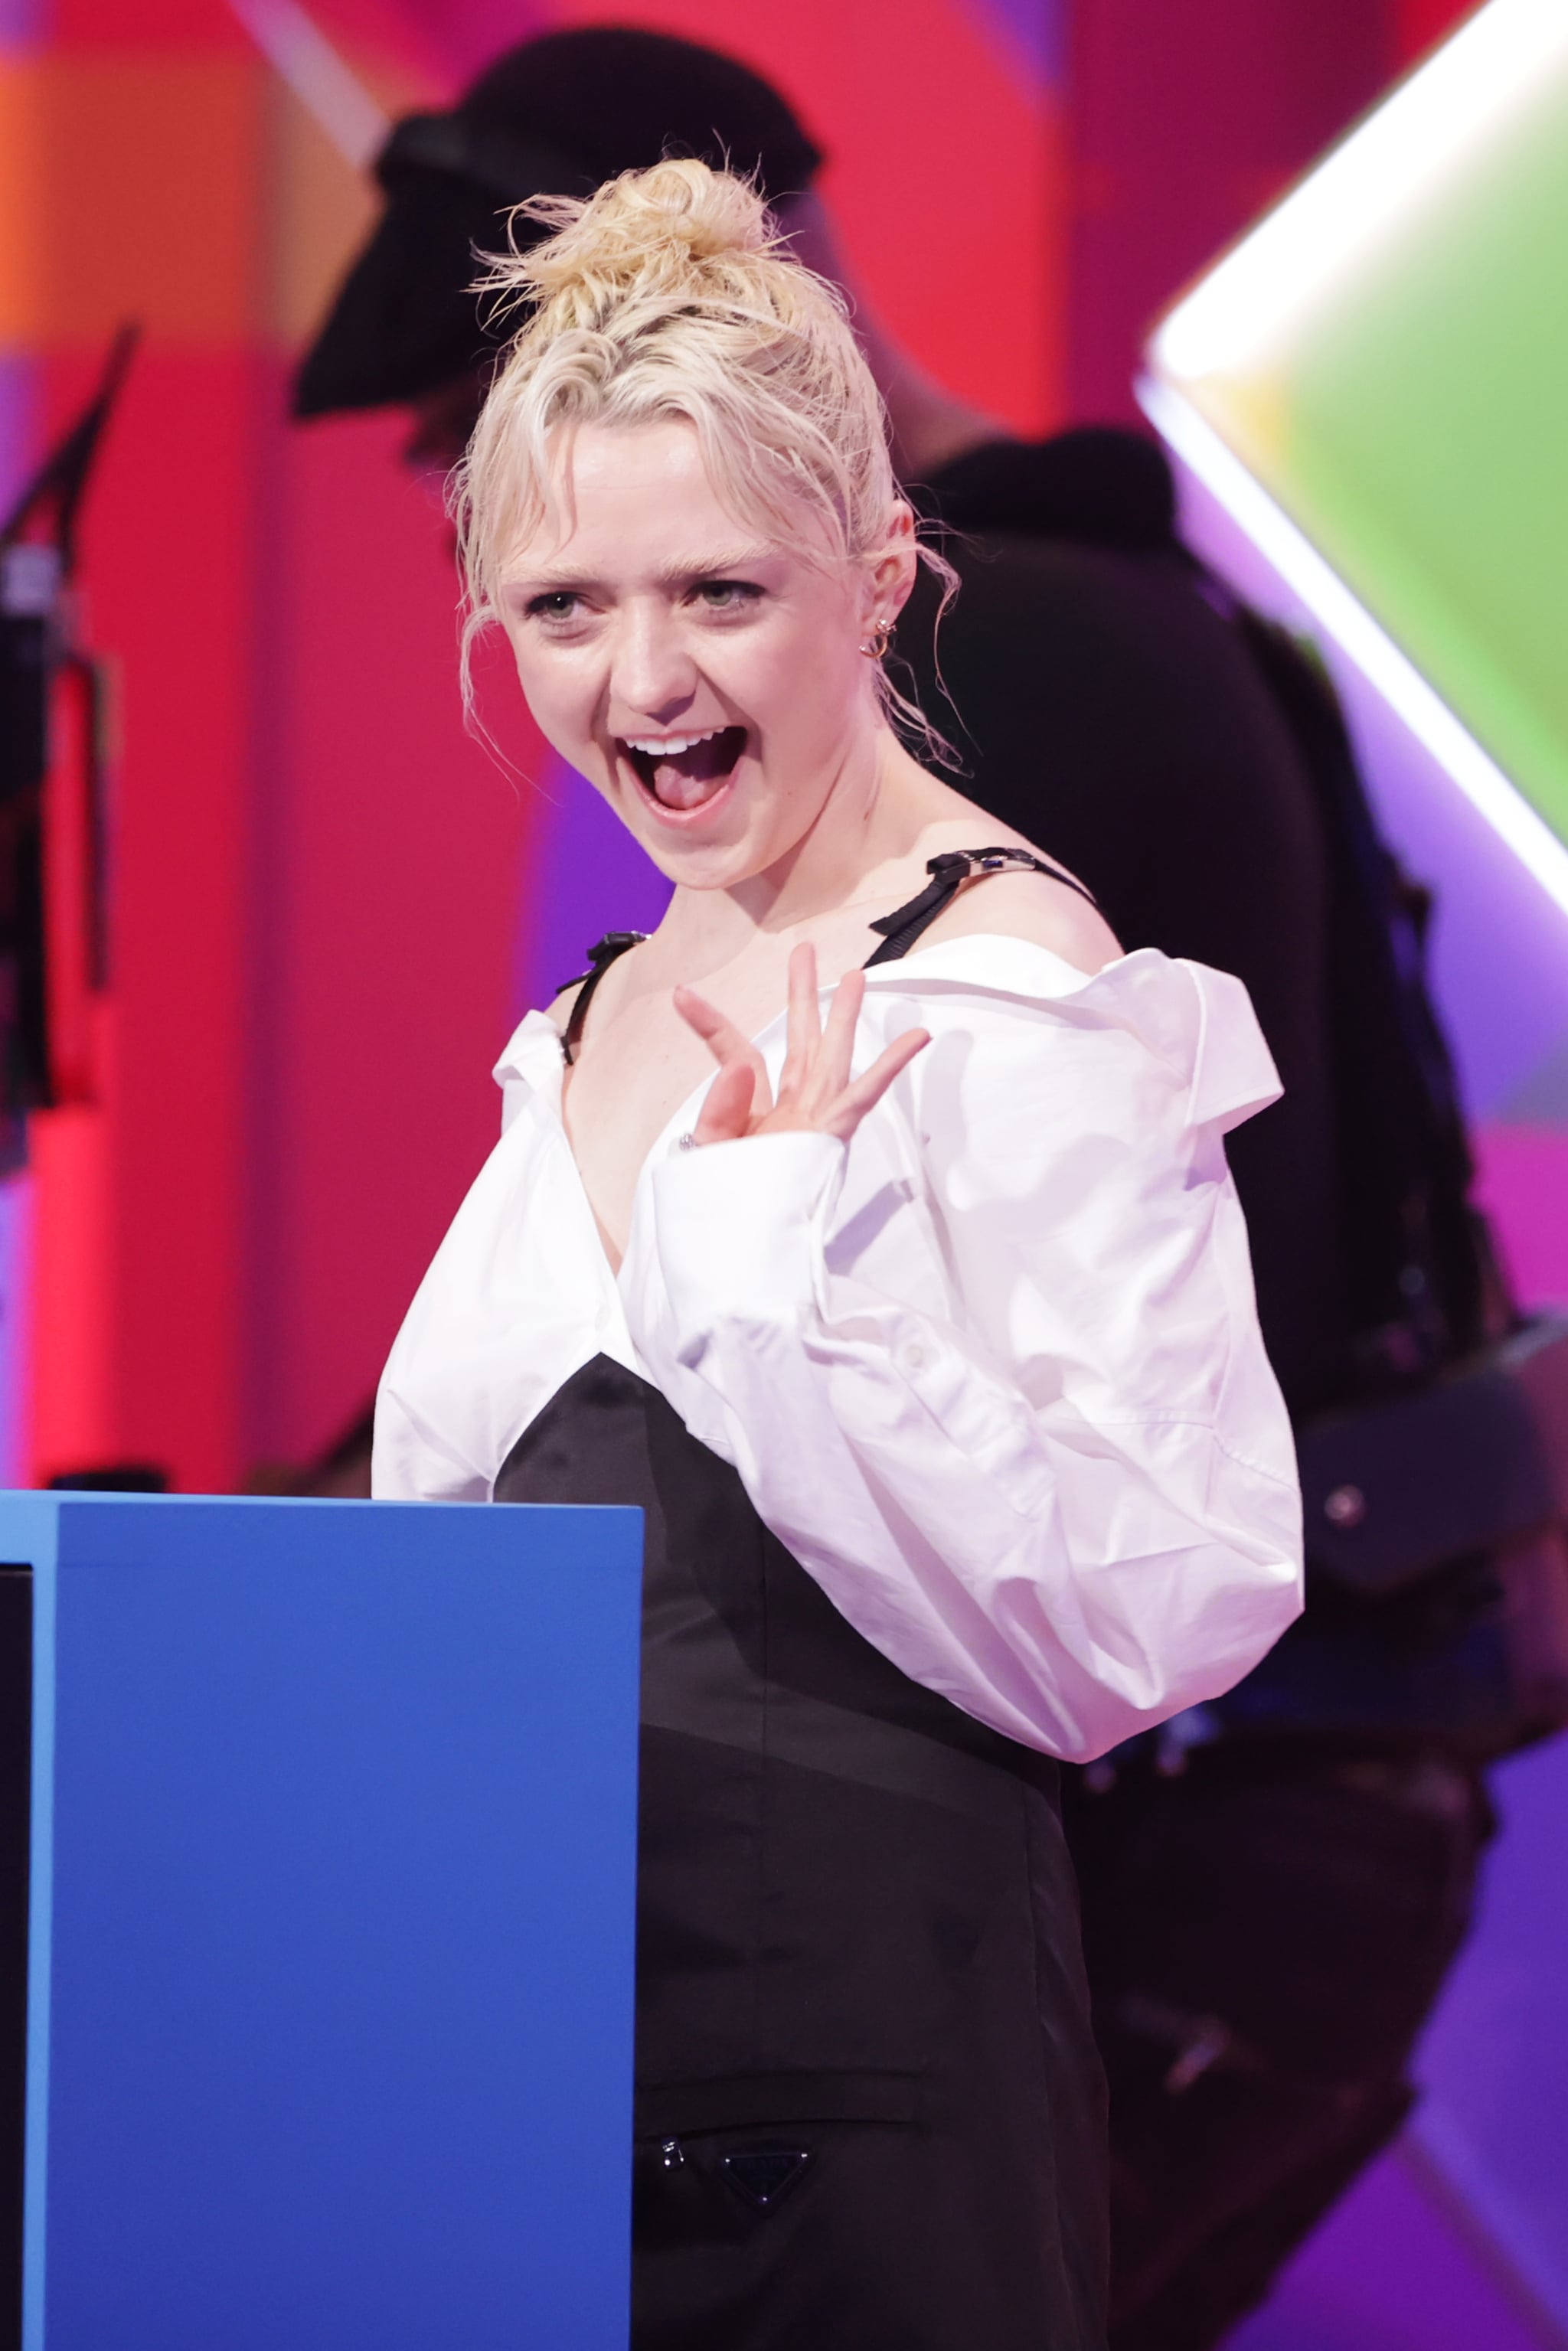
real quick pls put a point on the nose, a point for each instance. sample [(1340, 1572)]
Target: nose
[(652, 676)]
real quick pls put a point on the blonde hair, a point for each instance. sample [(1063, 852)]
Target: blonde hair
[(669, 293)]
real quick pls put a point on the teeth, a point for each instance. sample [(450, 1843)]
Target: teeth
[(670, 746)]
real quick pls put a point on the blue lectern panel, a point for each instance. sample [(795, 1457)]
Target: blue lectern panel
[(340, 1932)]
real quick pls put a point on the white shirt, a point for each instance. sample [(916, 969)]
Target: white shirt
[(991, 1372)]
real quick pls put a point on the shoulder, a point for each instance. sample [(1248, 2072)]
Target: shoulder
[(1034, 907), (1173, 1037), (558, 1012), (605, 979)]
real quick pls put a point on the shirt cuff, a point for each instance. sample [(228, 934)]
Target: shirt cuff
[(735, 1227)]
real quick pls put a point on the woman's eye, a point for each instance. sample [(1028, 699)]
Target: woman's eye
[(559, 604), (727, 595)]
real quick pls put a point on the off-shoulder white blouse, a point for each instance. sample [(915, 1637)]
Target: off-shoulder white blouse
[(991, 1371)]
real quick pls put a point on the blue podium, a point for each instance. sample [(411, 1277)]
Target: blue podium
[(316, 1874)]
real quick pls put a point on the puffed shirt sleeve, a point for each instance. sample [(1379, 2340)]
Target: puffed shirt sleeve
[(992, 1373)]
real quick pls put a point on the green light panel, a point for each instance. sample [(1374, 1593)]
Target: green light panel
[(1386, 357)]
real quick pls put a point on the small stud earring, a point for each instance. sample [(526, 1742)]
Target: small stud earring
[(880, 639)]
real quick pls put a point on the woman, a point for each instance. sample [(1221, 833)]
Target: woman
[(922, 1332)]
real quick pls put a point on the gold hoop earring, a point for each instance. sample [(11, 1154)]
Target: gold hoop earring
[(881, 638)]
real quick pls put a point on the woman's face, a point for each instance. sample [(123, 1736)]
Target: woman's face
[(710, 683)]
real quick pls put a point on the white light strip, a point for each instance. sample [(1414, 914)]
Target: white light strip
[(1354, 630), (1498, 63), (295, 45)]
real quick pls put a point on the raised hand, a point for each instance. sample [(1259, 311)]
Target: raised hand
[(816, 1093)]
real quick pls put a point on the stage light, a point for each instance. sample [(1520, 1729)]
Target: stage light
[(324, 85), (1439, 122), (1358, 635), (1374, 384)]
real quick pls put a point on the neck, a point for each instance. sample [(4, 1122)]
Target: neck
[(930, 426)]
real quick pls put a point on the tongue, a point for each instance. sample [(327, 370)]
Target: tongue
[(687, 778), (674, 786)]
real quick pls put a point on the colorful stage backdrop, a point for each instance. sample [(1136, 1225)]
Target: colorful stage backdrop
[(330, 904)]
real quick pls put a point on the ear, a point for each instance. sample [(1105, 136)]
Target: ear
[(890, 574)]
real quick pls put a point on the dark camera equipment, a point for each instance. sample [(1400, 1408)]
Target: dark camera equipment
[(52, 818)]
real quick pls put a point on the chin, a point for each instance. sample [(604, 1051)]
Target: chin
[(710, 865)]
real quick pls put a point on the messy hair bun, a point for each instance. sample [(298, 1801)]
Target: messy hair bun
[(648, 233), (671, 293)]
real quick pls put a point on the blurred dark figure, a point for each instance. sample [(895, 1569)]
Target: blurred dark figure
[(1274, 1885), (558, 115)]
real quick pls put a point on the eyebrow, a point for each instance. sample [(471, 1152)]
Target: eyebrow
[(670, 573)]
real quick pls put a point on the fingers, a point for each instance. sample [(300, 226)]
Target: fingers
[(839, 1038), (730, 1049), (726, 1112), (804, 1031), (721, 1036), (862, 1093), (815, 1088)]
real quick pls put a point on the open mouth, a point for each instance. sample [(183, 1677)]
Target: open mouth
[(684, 772)]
